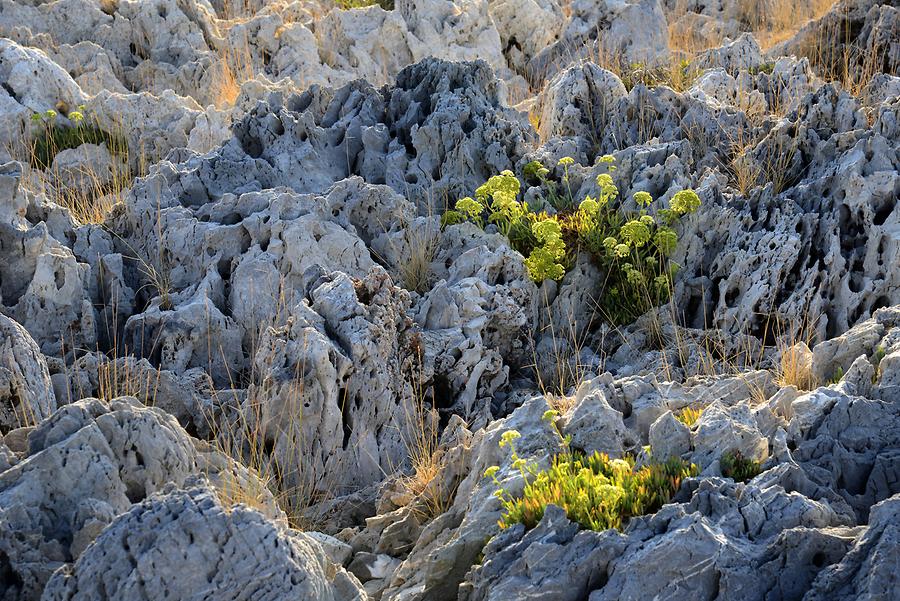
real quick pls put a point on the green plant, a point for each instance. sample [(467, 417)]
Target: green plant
[(87, 189), (348, 4), (52, 137), (880, 354), (734, 465), (595, 491), (837, 377), (632, 247), (689, 416), (767, 67)]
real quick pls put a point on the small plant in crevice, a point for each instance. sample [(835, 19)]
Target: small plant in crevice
[(632, 247), (734, 465), (877, 358), (595, 491), (837, 376), (689, 416), (89, 189), (51, 137), (421, 438)]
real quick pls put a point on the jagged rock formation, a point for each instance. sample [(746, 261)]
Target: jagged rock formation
[(79, 469), (214, 557), (26, 393)]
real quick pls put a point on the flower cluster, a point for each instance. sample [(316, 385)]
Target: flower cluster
[(595, 491), (53, 134), (632, 246)]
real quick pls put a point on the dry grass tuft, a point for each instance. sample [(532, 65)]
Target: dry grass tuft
[(774, 21), (793, 339), (421, 437), (236, 69), (98, 188), (118, 378), (416, 272)]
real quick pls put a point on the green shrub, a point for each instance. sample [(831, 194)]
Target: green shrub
[(51, 137), (632, 247), (767, 68), (595, 491), (737, 467)]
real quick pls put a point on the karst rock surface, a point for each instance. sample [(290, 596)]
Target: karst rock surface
[(245, 354)]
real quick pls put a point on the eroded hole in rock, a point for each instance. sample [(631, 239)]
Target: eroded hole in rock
[(346, 416), (884, 210)]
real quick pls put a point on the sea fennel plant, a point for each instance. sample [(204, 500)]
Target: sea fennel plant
[(632, 247), (595, 491)]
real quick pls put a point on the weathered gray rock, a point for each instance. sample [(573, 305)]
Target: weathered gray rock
[(869, 569), (335, 397), (194, 545), (850, 444), (628, 32), (579, 101), (669, 437), (526, 27), (721, 429), (26, 392), (594, 425), (824, 214), (83, 466), (861, 34), (45, 288), (375, 44), (185, 397), (742, 54), (556, 560)]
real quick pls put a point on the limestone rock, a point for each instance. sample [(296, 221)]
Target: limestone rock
[(526, 27), (869, 569), (851, 447), (26, 392), (335, 399), (869, 28), (722, 429), (84, 465), (579, 100), (213, 541), (629, 32), (595, 426), (669, 437)]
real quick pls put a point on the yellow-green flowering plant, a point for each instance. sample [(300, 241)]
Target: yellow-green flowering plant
[(51, 135), (632, 246), (595, 491)]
